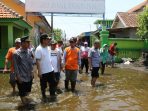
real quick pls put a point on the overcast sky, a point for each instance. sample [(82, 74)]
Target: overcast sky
[(74, 26)]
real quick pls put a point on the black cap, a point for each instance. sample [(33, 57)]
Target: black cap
[(25, 39), (44, 36), (71, 40)]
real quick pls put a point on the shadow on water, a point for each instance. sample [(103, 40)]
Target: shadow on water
[(13, 94), (100, 85), (27, 107)]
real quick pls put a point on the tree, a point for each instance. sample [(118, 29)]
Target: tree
[(57, 34), (142, 30)]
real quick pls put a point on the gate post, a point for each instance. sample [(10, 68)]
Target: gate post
[(104, 34)]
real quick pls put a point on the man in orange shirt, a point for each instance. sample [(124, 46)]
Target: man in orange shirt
[(9, 58), (71, 62)]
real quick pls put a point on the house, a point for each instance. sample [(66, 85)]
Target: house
[(38, 22), (125, 23), (85, 37), (100, 23), (107, 23), (12, 26), (15, 22)]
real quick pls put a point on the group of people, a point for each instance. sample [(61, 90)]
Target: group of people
[(51, 59)]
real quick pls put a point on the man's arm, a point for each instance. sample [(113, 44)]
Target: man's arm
[(5, 67), (59, 65), (90, 63), (16, 69), (38, 67), (64, 60), (38, 57), (89, 59), (8, 55), (79, 58)]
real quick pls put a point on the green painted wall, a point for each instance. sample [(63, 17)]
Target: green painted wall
[(10, 35), (10, 29), (17, 33), (127, 43), (146, 44), (4, 37), (129, 48)]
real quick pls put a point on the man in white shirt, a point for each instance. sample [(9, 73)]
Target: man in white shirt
[(56, 62), (45, 67)]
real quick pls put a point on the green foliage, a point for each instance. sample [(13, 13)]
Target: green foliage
[(57, 34), (142, 30)]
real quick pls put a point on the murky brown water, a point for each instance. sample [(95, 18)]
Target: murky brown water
[(118, 90)]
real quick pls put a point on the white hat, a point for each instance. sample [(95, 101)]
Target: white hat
[(17, 40), (85, 43)]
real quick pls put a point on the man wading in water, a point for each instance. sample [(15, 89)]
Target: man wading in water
[(94, 62), (71, 62), (9, 57), (23, 67), (45, 68)]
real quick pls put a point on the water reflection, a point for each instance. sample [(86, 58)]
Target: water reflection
[(117, 90), (27, 107)]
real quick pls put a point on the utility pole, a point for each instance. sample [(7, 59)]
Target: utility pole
[(52, 33)]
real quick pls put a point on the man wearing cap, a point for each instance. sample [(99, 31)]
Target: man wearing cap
[(94, 62), (56, 62), (9, 57), (71, 63), (49, 40), (45, 68), (23, 67), (84, 56)]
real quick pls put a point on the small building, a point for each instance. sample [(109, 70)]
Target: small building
[(107, 23), (100, 23), (37, 21), (125, 23), (12, 25), (15, 22), (85, 37)]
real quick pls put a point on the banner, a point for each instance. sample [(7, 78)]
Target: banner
[(66, 6)]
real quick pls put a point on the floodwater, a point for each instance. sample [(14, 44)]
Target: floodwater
[(117, 90)]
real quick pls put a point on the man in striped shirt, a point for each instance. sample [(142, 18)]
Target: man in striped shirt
[(23, 66)]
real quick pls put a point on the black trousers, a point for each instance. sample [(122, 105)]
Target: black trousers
[(50, 80), (84, 62), (102, 67), (24, 88)]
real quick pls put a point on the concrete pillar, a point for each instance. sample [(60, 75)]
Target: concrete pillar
[(10, 35), (104, 34)]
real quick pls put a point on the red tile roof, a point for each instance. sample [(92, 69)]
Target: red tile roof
[(127, 19), (138, 7), (6, 12)]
